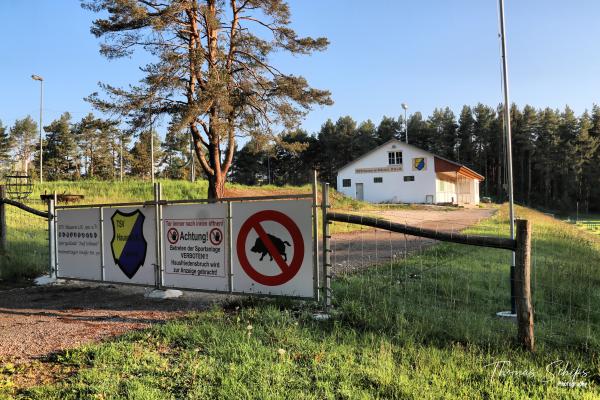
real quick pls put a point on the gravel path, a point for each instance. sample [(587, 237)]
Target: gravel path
[(360, 249)]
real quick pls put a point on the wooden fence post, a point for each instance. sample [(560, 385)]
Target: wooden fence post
[(2, 221), (523, 285)]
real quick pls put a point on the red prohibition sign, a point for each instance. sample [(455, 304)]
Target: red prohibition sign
[(287, 271)]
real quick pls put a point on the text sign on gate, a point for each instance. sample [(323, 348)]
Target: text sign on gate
[(273, 248), (194, 244), (78, 244)]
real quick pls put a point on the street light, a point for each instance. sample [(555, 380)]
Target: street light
[(405, 107), (39, 78)]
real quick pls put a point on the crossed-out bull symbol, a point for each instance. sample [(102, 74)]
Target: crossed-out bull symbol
[(259, 247)]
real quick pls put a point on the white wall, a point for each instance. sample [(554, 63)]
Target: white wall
[(393, 188)]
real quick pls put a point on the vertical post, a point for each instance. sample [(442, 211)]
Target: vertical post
[(326, 248), (523, 285), (41, 111), (2, 220), (229, 247), (152, 152), (508, 140), (102, 260), (121, 160), (51, 237), (315, 238), (157, 239)]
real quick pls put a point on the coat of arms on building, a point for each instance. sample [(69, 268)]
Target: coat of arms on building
[(419, 164)]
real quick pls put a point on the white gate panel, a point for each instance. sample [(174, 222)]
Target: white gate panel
[(78, 247), (130, 245), (195, 239), (273, 248)]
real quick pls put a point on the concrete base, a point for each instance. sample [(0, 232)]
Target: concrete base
[(507, 315), (47, 280), (321, 316), (164, 294)]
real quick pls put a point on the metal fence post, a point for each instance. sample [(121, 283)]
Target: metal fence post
[(229, 247), (51, 238), (326, 248), (157, 239), (523, 285), (2, 220), (315, 238)]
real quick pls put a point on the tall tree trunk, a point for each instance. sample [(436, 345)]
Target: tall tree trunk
[(216, 186)]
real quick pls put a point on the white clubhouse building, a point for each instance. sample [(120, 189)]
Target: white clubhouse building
[(397, 172)]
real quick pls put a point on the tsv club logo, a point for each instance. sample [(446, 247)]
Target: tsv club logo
[(128, 244)]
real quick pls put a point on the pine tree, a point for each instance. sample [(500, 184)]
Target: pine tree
[(388, 129), (5, 150), (60, 151), (465, 152), (547, 160), (23, 135), (141, 163), (176, 154), (212, 73)]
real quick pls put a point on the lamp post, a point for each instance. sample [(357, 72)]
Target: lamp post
[(405, 107), (39, 78)]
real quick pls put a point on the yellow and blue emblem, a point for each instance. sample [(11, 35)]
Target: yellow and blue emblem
[(128, 244), (419, 163)]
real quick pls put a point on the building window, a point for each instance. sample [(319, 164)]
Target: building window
[(346, 182), (395, 158), (378, 179), (409, 178)]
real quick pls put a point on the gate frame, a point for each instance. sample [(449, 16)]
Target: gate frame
[(159, 203)]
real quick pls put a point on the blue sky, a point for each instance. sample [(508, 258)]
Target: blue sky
[(427, 53)]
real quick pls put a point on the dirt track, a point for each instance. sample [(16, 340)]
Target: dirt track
[(368, 246), (37, 321)]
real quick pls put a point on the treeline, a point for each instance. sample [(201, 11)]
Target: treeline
[(91, 148), (556, 154)]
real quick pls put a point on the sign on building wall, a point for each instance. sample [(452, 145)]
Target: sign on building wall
[(272, 249), (78, 244), (419, 164), (195, 246), (129, 245)]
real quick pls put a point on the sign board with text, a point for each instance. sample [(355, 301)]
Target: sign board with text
[(78, 244), (195, 247)]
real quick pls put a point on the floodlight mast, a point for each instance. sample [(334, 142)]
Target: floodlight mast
[(41, 80), (405, 107)]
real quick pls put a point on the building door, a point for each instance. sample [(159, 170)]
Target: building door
[(360, 193)]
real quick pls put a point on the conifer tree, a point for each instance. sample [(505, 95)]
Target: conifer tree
[(60, 151), (213, 74), (23, 135), (5, 150)]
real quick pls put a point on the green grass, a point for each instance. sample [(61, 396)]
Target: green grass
[(420, 328)]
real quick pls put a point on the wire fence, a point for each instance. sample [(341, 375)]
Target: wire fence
[(421, 289), (27, 242), (431, 291)]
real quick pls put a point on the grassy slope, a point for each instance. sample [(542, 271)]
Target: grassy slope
[(27, 234), (422, 328)]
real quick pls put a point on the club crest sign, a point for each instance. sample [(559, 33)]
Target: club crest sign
[(128, 244)]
